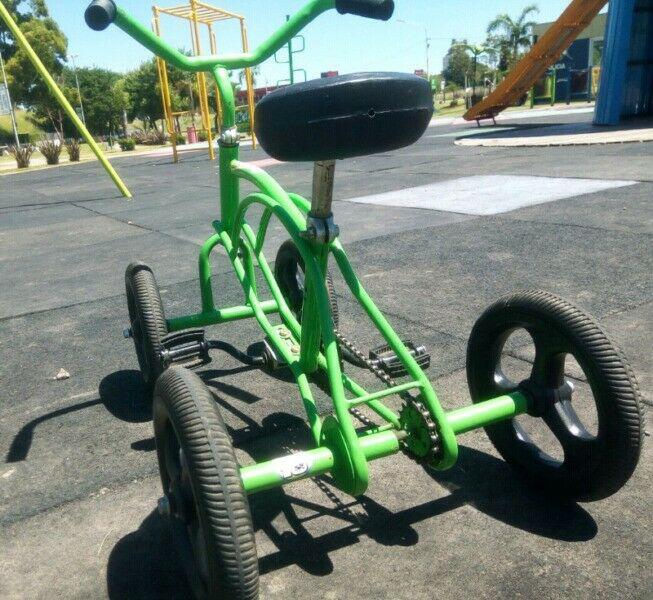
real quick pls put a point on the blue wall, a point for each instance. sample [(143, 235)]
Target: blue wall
[(627, 74), (573, 81), (639, 77)]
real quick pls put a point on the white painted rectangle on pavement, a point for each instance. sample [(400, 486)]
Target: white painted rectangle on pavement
[(490, 194)]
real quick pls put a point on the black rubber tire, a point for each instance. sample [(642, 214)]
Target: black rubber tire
[(594, 467), (192, 439), (289, 272), (147, 319)]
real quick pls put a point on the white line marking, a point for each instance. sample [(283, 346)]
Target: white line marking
[(490, 194)]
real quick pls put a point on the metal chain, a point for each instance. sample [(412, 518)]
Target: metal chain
[(409, 400), (343, 342)]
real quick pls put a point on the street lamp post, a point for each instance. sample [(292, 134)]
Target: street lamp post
[(11, 105), (79, 91), (427, 41), (428, 52)]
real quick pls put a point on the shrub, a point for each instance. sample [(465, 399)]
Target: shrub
[(51, 149), (73, 148), (178, 138), (23, 155), (201, 136), (127, 144), (154, 137), (455, 102)]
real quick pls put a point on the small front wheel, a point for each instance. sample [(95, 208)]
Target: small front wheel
[(594, 464), (204, 496), (147, 320)]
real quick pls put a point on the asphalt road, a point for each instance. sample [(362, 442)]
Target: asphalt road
[(78, 482)]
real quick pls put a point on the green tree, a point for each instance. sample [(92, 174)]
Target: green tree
[(21, 11), (458, 63), (27, 86), (102, 98), (516, 33), (144, 92), (500, 52)]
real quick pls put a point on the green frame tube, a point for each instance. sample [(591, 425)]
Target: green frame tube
[(375, 445), (291, 28), (339, 447)]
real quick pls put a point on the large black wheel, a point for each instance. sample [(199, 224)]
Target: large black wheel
[(290, 273), (596, 461), (148, 322), (204, 496)]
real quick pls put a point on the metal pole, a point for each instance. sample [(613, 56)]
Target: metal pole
[(11, 105), (79, 91), (162, 69), (323, 181), (290, 61), (218, 100), (250, 84), (201, 80), (428, 52), (58, 94)]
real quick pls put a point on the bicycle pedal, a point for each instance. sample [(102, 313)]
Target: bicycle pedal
[(188, 348), (389, 362)]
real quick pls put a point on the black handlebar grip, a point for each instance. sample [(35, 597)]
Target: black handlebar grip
[(381, 10), (100, 14)]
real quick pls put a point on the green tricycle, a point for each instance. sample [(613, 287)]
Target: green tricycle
[(205, 489)]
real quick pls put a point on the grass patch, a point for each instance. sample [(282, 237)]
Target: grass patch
[(444, 110), (25, 122)]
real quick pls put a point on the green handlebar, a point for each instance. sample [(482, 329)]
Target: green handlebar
[(155, 44)]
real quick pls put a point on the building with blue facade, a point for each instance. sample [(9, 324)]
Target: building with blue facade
[(577, 74), (612, 62), (627, 85)]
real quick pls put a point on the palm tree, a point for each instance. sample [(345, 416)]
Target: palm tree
[(476, 51), (516, 33)]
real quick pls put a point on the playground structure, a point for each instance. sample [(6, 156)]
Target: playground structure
[(21, 40), (548, 49), (198, 14)]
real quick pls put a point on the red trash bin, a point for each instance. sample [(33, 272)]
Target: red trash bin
[(191, 135)]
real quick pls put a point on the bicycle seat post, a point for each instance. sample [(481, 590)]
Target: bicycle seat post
[(320, 227)]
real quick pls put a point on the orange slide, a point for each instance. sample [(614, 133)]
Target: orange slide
[(548, 49)]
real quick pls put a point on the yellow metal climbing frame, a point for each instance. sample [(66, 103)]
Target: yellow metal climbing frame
[(199, 14)]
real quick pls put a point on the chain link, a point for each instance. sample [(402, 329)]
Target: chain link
[(409, 401)]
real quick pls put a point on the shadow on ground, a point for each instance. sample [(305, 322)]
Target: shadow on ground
[(142, 565), (123, 394)]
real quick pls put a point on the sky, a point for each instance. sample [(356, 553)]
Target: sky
[(336, 42)]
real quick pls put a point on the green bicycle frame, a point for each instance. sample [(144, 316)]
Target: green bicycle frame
[(340, 448)]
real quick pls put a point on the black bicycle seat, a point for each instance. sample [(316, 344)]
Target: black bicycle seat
[(343, 117)]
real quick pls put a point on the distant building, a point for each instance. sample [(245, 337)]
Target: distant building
[(578, 72), (612, 60), (259, 94), (446, 61), (328, 74), (420, 73)]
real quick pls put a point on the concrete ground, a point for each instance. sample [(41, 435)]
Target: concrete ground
[(566, 134), (78, 485)]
